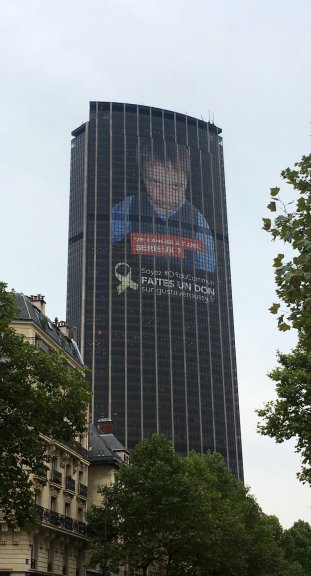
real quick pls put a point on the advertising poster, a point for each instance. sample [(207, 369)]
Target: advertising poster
[(163, 262)]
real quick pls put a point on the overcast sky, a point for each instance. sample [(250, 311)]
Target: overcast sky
[(245, 64)]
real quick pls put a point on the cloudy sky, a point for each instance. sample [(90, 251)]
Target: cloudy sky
[(245, 64)]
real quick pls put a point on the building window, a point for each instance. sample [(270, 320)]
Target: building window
[(49, 567), (67, 509), (70, 483), (53, 503), (38, 498), (56, 476), (33, 556), (66, 560)]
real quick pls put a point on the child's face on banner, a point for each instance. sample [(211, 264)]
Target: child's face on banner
[(166, 185)]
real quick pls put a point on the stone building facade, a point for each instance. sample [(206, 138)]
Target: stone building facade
[(58, 545)]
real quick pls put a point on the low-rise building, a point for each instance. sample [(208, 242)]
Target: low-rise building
[(106, 455), (69, 480), (57, 545)]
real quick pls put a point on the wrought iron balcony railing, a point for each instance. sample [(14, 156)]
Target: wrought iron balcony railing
[(41, 472), (70, 484), (56, 477), (77, 447), (61, 521), (82, 490)]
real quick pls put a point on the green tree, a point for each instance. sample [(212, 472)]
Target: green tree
[(292, 226), (288, 416), (39, 394), (181, 516), (297, 545)]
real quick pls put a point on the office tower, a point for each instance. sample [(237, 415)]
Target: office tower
[(149, 277)]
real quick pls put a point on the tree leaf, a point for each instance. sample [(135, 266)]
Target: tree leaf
[(266, 223), (274, 191), (274, 308), (272, 206)]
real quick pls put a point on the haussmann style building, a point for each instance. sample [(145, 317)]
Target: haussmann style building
[(68, 482), (57, 545), (149, 284)]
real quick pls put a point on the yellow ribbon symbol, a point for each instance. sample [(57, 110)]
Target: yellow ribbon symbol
[(125, 279)]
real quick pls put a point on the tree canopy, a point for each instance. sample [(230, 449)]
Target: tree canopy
[(39, 394), (292, 226), (297, 545), (289, 415), (169, 515)]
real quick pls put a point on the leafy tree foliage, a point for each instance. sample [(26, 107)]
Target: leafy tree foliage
[(297, 545), (168, 515), (289, 415), (39, 394), (293, 227)]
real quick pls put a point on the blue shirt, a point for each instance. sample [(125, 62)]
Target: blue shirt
[(122, 224)]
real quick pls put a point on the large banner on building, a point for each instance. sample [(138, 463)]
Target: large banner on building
[(161, 238), (163, 279)]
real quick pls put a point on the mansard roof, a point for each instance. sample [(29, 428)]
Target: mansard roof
[(27, 311), (104, 447)]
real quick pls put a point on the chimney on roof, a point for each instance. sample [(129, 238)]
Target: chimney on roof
[(72, 333), (39, 302), (69, 331), (63, 326), (104, 425)]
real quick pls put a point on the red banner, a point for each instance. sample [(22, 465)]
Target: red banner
[(162, 245)]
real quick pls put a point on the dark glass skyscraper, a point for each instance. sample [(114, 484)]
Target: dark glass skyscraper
[(149, 277)]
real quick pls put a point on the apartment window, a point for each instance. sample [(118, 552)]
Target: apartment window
[(66, 560), (56, 476), (70, 483), (38, 498), (67, 509), (33, 556), (53, 503), (49, 567)]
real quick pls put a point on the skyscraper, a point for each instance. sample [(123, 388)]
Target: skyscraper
[(149, 277)]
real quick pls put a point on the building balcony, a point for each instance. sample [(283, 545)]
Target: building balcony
[(82, 490), (56, 477), (41, 472), (60, 521), (70, 484), (78, 448)]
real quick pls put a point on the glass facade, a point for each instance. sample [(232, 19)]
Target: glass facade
[(149, 277)]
